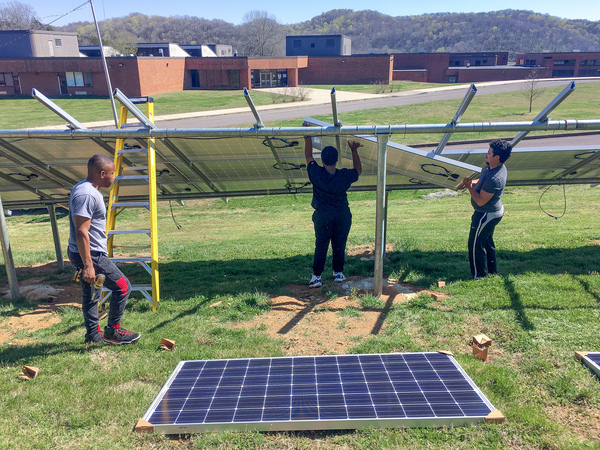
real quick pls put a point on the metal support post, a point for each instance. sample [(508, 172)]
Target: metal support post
[(380, 213), (259, 123), (11, 273), (110, 93), (543, 116), (336, 121), (56, 236), (459, 113), (74, 123)]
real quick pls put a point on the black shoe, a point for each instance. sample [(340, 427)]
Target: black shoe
[(119, 335), (94, 337)]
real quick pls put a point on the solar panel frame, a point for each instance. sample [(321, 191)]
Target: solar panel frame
[(323, 392), (592, 360)]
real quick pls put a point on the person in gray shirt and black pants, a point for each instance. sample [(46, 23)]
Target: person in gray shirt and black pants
[(486, 193)]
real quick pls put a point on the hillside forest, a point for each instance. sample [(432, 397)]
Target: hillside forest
[(261, 34)]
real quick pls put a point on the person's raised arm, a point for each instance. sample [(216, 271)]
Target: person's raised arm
[(308, 150), (82, 228), (356, 164)]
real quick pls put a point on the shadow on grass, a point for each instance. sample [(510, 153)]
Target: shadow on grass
[(517, 305), (203, 282), (426, 268)]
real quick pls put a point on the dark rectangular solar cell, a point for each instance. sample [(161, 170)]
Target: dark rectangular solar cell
[(592, 360), (320, 392)]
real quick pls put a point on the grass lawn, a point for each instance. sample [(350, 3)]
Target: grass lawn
[(222, 270), (543, 306), (27, 112), (504, 107)]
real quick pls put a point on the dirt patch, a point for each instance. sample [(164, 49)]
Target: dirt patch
[(338, 319), (366, 252), (43, 313), (583, 420)]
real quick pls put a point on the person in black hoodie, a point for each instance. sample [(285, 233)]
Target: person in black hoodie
[(332, 218)]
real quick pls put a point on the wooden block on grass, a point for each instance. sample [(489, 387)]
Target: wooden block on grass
[(482, 340), (495, 417), (167, 344), (480, 353), (29, 372), (441, 283), (144, 427)]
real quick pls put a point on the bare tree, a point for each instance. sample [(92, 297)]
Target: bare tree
[(18, 16), (261, 34), (532, 87)]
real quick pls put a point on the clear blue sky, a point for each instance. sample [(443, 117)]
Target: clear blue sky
[(293, 12)]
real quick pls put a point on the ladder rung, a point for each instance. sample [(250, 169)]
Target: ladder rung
[(141, 287), (136, 168), (131, 247), (132, 125), (138, 287), (125, 260), (112, 232), (131, 177), (131, 205)]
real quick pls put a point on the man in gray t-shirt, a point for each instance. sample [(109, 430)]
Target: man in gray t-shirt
[(88, 252), (486, 193)]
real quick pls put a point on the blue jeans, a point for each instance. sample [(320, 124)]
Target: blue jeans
[(115, 281), (331, 225)]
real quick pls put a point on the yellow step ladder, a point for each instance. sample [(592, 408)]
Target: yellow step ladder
[(149, 260)]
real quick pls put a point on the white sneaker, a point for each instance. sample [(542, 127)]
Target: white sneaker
[(315, 281), (338, 277)]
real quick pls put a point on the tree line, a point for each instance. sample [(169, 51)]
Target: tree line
[(261, 34)]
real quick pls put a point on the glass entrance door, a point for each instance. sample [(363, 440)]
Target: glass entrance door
[(266, 79)]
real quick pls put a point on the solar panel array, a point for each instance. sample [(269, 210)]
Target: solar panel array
[(317, 392), (38, 170), (592, 360), (539, 165)]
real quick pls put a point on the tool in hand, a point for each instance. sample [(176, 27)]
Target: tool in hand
[(97, 286)]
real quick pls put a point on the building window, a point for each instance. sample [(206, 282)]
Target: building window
[(589, 62), (58, 42), (564, 62), (78, 79), (563, 73), (6, 79), (312, 45), (330, 43), (297, 43), (589, 73)]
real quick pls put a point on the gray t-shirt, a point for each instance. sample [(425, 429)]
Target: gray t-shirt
[(492, 181), (87, 201)]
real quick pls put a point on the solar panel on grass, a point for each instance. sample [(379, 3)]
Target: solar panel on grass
[(318, 393), (592, 360)]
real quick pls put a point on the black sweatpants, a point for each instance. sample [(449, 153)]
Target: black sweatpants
[(115, 281), (482, 251), (331, 225)]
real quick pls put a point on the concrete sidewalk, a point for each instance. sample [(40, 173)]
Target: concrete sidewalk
[(315, 97)]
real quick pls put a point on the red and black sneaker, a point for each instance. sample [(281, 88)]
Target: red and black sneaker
[(118, 335), (95, 336)]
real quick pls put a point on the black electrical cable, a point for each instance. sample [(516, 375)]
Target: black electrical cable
[(565, 206), (179, 227)]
